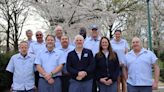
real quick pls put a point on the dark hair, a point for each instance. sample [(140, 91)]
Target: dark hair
[(50, 36), (82, 29), (28, 31), (117, 31), (24, 42), (83, 32), (111, 53)]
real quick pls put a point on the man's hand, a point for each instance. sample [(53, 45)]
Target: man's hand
[(155, 86), (51, 81), (47, 76)]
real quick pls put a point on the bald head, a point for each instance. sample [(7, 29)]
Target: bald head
[(79, 40), (136, 44), (58, 31), (39, 36)]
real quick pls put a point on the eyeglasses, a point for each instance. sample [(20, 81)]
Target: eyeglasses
[(38, 34)]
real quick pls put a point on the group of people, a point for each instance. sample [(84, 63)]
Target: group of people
[(88, 64)]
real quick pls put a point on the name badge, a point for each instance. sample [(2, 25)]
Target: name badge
[(86, 55)]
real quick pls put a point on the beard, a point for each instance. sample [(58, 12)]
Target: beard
[(50, 45)]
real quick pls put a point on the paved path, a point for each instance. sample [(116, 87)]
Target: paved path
[(161, 87)]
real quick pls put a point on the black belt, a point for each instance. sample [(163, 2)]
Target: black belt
[(52, 77)]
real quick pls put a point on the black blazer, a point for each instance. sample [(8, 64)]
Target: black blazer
[(107, 68), (87, 64)]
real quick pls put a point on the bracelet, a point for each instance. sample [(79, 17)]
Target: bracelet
[(52, 74)]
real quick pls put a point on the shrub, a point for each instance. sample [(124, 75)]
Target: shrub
[(162, 56), (5, 77)]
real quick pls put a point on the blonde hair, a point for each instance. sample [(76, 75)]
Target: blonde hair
[(79, 36)]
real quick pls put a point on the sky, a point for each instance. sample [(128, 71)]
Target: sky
[(33, 22)]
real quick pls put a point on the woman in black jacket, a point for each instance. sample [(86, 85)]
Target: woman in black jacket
[(107, 67)]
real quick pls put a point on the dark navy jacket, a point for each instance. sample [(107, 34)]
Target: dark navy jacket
[(106, 68), (87, 64)]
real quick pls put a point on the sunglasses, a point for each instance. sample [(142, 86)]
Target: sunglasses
[(38, 34)]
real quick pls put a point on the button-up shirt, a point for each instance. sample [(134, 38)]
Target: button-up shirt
[(57, 43), (30, 42), (36, 47), (66, 51), (50, 60), (92, 44), (140, 67), (23, 71), (119, 48)]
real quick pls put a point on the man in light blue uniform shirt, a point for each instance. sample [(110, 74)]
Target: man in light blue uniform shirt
[(29, 37), (92, 42), (37, 46), (66, 48), (58, 34), (139, 67), (49, 64), (22, 67)]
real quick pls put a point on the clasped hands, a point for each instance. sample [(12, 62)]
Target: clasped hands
[(81, 75), (48, 77), (106, 81)]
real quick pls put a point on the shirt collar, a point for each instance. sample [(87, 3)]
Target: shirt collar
[(20, 56), (114, 40), (57, 40), (46, 51), (39, 43), (143, 50), (97, 39)]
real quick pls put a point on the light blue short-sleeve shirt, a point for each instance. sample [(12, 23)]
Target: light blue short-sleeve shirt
[(36, 47), (92, 44), (50, 60), (57, 43), (140, 67), (66, 51), (23, 71), (119, 48)]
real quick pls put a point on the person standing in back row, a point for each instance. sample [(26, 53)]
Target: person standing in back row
[(29, 37), (92, 42), (35, 49), (139, 65), (66, 48), (120, 46), (58, 34)]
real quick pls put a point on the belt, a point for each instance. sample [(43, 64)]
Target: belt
[(52, 77), (22, 90)]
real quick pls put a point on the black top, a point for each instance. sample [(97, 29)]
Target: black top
[(107, 68), (87, 64)]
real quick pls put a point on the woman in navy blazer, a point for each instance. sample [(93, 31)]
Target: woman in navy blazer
[(107, 67), (80, 65)]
